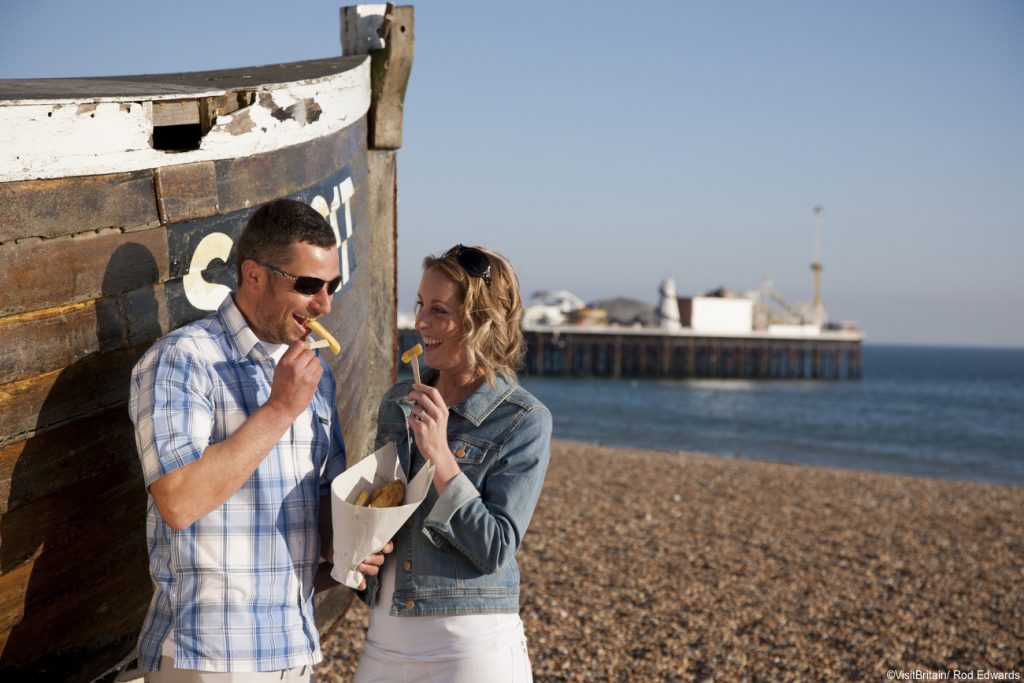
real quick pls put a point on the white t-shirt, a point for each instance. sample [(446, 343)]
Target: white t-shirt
[(436, 637), (275, 351)]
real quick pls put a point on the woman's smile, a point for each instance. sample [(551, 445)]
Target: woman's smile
[(437, 320)]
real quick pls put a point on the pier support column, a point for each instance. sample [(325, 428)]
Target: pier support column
[(538, 357), (616, 368), (567, 354)]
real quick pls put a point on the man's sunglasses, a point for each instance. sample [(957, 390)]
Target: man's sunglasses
[(473, 261), (306, 284)]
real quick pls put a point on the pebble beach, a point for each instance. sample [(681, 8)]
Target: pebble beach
[(663, 566)]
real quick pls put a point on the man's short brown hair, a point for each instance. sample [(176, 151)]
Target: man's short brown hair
[(276, 226)]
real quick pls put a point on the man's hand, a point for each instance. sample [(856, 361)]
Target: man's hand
[(295, 379), (372, 564), (189, 492)]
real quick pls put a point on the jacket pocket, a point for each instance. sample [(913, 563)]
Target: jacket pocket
[(470, 451)]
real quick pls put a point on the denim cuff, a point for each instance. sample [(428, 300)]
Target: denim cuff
[(458, 492)]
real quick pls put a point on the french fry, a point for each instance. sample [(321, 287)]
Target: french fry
[(411, 357), (319, 330), (362, 499)]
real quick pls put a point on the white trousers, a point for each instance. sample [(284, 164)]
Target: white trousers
[(507, 664), (168, 674)]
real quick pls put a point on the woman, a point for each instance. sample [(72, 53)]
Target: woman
[(445, 607)]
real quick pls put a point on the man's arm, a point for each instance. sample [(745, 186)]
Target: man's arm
[(189, 492)]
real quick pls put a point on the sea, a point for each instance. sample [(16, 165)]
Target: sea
[(955, 413)]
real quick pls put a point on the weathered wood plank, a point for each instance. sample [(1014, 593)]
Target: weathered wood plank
[(66, 522), (187, 192), (330, 605), (37, 342), (175, 112), (13, 586), (146, 314), (81, 634), (182, 84), (387, 35), (389, 77), (64, 206), (93, 385), (88, 587), (41, 466), (249, 181), (70, 270), (212, 107), (370, 345)]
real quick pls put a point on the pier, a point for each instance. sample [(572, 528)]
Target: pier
[(654, 353)]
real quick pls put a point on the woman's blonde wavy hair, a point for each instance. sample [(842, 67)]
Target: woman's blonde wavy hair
[(491, 315)]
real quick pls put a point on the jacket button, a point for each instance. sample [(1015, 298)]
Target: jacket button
[(410, 604), (461, 453), (408, 523), (407, 565)]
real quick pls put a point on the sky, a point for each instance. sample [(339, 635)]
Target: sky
[(604, 146)]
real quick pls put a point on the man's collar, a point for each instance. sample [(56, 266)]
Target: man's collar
[(243, 339)]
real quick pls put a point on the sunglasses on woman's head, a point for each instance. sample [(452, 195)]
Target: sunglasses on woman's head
[(306, 284), (473, 261)]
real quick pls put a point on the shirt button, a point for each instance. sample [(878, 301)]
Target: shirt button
[(410, 604), (407, 565), (461, 453)]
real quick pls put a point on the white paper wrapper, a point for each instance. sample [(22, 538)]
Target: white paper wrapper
[(361, 531)]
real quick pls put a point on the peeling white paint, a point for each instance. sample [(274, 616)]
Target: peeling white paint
[(38, 135), (64, 138), (320, 205)]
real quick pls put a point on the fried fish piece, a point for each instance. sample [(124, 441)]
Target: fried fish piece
[(388, 496)]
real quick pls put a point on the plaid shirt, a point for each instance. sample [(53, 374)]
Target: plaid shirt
[(237, 585)]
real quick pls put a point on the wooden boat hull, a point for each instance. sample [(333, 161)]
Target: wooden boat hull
[(96, 266)]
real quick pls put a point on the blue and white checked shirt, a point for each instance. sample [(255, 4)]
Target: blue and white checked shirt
[(237, 585)]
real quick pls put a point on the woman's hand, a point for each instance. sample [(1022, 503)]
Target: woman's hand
[(429, 422)]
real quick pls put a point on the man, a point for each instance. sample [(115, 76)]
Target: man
[(239, 438)]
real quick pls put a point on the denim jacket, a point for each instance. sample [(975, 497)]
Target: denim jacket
[(456, 554)]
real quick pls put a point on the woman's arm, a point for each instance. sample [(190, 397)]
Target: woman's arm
[(489, 529)]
